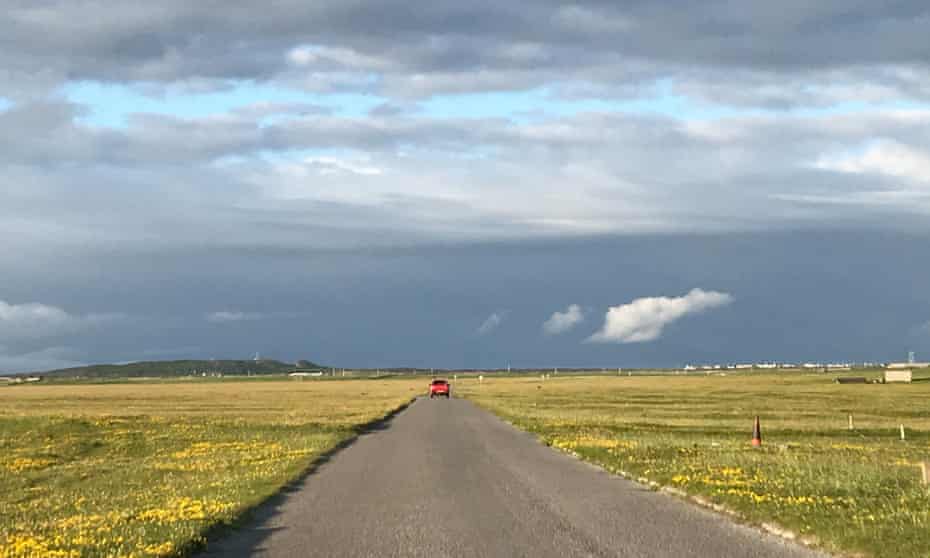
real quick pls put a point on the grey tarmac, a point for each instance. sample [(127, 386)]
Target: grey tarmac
[(444, 478)]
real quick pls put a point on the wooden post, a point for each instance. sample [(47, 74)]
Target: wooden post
[(902, 432), (924, 473), (850, 422)]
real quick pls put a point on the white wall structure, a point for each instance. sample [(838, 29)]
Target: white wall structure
[(898, 376)]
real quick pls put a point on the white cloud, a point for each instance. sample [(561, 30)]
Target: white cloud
[(227, 316), (36, 321), (334, 59), (335, 165), (492, 323), (644, 318), (560, 322), (884, 157)]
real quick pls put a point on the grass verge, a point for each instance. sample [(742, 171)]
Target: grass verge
[(149, 469)]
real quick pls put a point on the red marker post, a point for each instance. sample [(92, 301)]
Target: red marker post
[(756, 434)]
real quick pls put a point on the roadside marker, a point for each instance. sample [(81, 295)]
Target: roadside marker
[(756, 433)]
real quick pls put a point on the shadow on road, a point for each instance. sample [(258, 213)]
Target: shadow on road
[(248, 527)]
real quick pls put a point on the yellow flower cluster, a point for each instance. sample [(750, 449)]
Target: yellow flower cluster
[(203, 449), (162, 549), (91, 521), (21, 464), (22, 546), (571, 444), (755, 497), (185, 509)]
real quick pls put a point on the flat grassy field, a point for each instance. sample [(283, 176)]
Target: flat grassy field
[(853, 491), (146, 469)]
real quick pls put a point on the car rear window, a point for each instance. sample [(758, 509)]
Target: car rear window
[(439, 382)]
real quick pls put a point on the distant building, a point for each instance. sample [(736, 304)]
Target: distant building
[(900, 365), (898, 376), (20, 379)]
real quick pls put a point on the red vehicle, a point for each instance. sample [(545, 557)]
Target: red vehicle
[(439, 388)]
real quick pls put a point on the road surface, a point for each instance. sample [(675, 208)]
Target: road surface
[(446, 479)]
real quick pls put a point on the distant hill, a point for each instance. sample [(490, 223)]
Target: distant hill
[(169, 368)]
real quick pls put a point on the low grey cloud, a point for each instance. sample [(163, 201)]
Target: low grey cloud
[(31, 361), (231, 316), (33, 320), (644, 319), (491, 323), (561, 322)]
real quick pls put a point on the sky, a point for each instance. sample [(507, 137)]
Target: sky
[(446, 184)]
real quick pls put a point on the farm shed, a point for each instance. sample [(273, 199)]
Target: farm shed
[(898, 376)]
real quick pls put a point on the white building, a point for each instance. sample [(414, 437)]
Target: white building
[(900, 365)]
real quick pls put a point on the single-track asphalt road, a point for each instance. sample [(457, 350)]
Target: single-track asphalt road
[(444, 478)]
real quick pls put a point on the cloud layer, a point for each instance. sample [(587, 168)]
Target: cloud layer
[(405, 180), (645, 318), (793, 53), (560, 322)]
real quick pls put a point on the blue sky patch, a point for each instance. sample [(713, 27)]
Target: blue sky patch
[(110, 103)]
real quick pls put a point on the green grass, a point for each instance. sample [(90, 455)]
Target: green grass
[(147, 469), (849, 491)]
